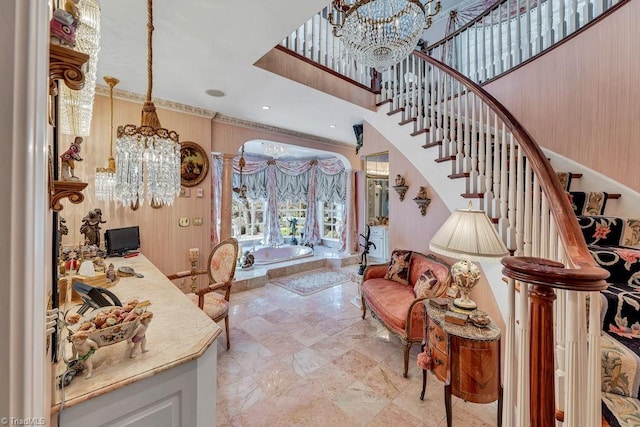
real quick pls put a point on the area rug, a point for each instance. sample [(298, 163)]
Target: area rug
[(313, 281)]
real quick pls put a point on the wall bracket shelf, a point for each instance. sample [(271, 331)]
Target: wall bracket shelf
[(66, 189), (65, 64), (422, 204), (401, 190)]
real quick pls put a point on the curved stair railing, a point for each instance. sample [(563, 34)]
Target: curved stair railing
[(512, 32), (507, 171)]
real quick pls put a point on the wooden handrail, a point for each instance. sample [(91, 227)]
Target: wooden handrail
[(568, 229)]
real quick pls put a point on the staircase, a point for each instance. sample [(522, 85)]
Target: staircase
[(553, 345)]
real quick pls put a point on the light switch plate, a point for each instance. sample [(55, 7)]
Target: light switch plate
[(200, 192), (183, 222), (197, 220)]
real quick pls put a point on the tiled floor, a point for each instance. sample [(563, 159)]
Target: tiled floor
[(313, 361)]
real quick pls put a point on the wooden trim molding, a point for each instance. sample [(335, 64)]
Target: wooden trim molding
[(326, 69), (268, 128), (162, 103)]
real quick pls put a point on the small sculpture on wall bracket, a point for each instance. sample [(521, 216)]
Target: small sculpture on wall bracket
[(68, 159), (422, 200), (400, 187)]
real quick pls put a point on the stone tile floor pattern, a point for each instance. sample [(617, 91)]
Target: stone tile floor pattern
[(313, 361)]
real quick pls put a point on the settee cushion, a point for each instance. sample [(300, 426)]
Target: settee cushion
[(421, 263), (399, 266), (390, 301), (427, 286)]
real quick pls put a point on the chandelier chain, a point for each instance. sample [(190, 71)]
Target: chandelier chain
[(149, 49)]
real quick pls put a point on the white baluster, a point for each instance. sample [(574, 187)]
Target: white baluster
[(513, 187), (492, 52), (528, 191), (520, 204), (594, 378), (574, 17), (503, 222), (538, 42), (488, 193), (509, 48), (435, 86), (528, 31), (422, 95), (473, 169), (562, 26), (517, 49), (575, 399), (548, 36), (482, 184), (535, 230), (484, 50), (497, 148), (524, 378)]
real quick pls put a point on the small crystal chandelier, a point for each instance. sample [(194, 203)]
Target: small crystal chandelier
[(381, 33), (76, 106), (274, 150), (106, 177), (147, 148)]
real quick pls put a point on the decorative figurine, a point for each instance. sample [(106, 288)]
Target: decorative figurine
[(139, 338), (247, 260), (111, 273), (69, 158), (83, 349), (293, 222), (399, 180), (365, 249), (91, 227), (422, 194)]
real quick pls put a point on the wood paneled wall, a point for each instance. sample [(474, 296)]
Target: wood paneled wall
[(163, 241), (582, 99)]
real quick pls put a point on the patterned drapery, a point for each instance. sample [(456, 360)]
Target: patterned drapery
[(310, 181), (216, 197)]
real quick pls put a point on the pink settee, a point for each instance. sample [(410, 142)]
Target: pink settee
[(395, 304)]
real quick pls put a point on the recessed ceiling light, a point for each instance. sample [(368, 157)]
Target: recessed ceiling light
[(332, 126), (265, 107), (215, 92)]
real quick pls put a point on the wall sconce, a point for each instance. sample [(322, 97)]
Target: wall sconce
[(422, 200), (400, 187)]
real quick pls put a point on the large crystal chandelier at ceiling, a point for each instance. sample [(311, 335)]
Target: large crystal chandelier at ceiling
[(148, 152), (381, 33), (274, 150), (76, 106), (106, 177)]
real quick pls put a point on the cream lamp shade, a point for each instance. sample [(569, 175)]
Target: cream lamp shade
[(470, 235)]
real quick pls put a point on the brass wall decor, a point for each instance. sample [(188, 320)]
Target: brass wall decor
[(400, 187), (422, 200)]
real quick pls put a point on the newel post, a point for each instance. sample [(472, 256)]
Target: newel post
[(542, 352)]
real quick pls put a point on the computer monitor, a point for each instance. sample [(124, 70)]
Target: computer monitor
[(119, 241)]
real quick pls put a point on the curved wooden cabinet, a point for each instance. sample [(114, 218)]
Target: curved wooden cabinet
[(465, 358)]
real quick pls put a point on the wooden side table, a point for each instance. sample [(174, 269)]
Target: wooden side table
[(466, 358)]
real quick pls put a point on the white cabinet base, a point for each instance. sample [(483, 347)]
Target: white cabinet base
[(184, 396)]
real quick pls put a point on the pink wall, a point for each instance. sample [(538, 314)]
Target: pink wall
[(582, 99), (408, 229)]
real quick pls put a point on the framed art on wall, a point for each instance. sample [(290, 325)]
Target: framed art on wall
[(194, 164)]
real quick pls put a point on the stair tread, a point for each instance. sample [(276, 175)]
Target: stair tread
[(432, 144), (397, 110), (420, 131), (407, 121)]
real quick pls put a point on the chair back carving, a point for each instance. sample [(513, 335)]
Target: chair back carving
[(222, 261)]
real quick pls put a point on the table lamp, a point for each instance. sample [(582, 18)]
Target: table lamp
[(470, 235)]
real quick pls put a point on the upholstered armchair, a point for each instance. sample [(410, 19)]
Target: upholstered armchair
[(213, 298)]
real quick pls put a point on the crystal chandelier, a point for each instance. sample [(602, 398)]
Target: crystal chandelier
[(76, 106), (274, 150), (147, 148), (105, 184), (381, 33)]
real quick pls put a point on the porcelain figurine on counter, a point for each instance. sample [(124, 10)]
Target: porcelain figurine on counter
[(83, 349), (139, 338)]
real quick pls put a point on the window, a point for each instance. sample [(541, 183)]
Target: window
[(247, 221), (286, 212), (332, 220)]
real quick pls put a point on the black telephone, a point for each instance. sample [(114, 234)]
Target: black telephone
[(95, 297)]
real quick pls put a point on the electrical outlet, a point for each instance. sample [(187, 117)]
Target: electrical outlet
[(183, 222), (197, 220), (200, 192)]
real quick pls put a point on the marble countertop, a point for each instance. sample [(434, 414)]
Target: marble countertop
[(179, 332)]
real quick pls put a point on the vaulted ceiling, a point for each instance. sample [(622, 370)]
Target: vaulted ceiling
[(200, 45)]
